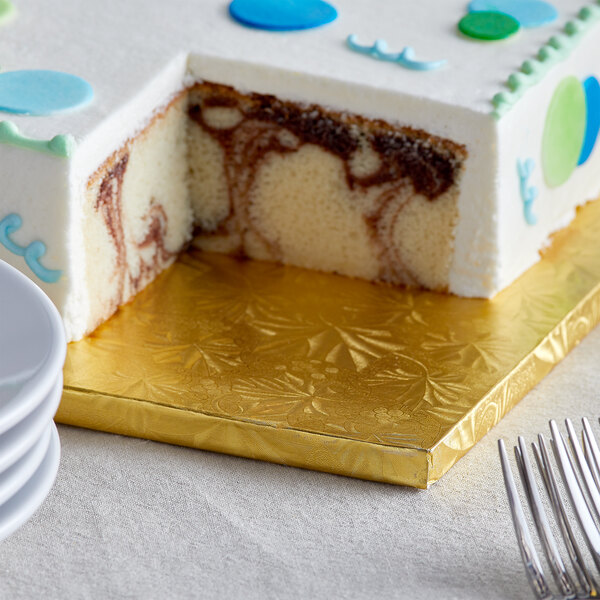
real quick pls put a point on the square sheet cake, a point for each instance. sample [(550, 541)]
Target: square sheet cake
[(431, 144)]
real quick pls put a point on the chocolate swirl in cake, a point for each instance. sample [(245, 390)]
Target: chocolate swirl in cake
[(432, 164), (109, 203), (408, 161)]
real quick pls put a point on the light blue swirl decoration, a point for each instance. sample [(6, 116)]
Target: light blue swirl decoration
[(529, 13), (528, 193), (32, 253), (406, 58)]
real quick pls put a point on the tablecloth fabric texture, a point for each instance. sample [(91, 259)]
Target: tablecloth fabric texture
[(129, 518)]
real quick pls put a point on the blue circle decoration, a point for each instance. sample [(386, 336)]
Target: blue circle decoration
[(40, 92), (529, 13), (592, 103), (282, 15)]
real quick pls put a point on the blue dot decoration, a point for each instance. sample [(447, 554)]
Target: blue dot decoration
[(40, 92), (282, 15), (591, 87), (529, 13)]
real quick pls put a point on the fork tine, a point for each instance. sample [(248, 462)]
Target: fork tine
[(591, 450), (562, 578), (574, 469), (558, 505), (584, 515), (589, 457), (584, 469), (533, 567)]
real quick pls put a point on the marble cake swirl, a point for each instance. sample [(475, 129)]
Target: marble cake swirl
[(382, 187), (278, 181)]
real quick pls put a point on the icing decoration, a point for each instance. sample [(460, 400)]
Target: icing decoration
[(564, 132), (488, 25), (528, 193), (592, 101), (282, 15), (32, 253), (405, 58), (62, 146), (7, 11), (533, 70), (529, 13), (38, 92)]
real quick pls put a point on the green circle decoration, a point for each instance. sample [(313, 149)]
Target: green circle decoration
[(488, 25), (564, 131), (7, 11)]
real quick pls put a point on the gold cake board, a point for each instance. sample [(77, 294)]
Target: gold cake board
[(328, 373)]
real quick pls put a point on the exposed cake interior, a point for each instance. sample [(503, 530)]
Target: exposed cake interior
[(137, 212), (271, 180), (310, 187)]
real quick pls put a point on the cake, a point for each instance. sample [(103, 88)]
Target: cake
[(288, 131)]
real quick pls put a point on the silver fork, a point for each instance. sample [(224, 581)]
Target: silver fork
[(581, 477)]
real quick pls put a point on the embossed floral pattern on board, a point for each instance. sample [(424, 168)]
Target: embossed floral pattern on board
[(274, 349)]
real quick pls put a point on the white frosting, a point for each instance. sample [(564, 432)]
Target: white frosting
[(521, 133), (137, 54), (36, 187), (120, 48)]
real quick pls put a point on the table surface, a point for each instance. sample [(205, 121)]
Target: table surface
[(130, 518)]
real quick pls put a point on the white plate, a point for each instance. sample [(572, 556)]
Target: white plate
[(18, 509), (32, 346), (15, 442), (15, 477)]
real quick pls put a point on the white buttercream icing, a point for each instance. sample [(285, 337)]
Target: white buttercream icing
[(137, 55)]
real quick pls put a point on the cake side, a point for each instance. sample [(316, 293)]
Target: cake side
[(35, 220), (136, 214), (304, 185), (547, 167)]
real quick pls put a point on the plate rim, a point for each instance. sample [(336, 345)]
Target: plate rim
[(22, 505), (29, 436), (25, 467), (40, 384)]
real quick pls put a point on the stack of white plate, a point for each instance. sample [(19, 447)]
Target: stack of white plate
[(32, 353)]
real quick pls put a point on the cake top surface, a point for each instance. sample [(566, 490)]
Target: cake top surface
[(121, 48)]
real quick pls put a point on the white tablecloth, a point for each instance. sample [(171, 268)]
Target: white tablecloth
[(131, 518)]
